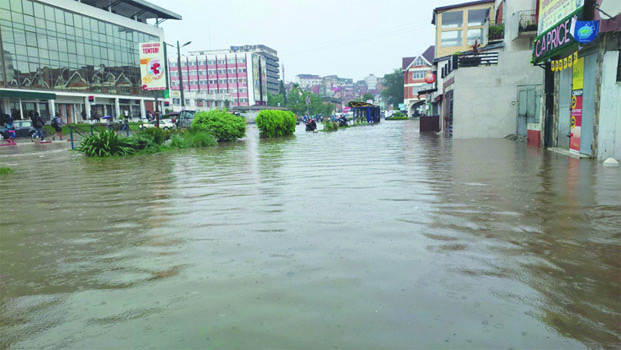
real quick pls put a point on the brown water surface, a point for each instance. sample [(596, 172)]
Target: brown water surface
[(367, 238)]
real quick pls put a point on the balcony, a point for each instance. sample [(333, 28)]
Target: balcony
[(524, 24), (467, 60)]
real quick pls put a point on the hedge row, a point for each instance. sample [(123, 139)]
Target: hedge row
[(273, 123)]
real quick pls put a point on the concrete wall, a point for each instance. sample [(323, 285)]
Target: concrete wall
[(485, 98), (609, 135)]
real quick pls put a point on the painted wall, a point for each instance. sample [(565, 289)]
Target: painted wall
[(609, 135), (486, 97), (444, 51)]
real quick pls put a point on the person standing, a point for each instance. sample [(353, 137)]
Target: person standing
[(8, 123), (37, 123), (57, 124)]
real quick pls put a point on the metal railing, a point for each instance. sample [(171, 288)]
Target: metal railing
[(528, 21), (476, 60)]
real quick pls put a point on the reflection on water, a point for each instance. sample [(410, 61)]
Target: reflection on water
[(367, 238)]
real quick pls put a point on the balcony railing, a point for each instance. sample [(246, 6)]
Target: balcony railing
[(469, 60), (528, 21)]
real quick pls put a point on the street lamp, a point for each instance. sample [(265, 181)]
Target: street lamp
[(179, 70)]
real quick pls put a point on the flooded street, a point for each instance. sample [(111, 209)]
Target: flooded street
[(367, 238)]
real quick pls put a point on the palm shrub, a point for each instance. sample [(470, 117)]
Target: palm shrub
[(274, 123), (221, 124), (105, 144)]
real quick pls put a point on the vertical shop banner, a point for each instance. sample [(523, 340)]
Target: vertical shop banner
[(256, 75), (576, 105), (152, 66)]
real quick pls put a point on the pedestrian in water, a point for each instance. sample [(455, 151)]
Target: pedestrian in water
[(37, 124), (57, 124), (8, 124)]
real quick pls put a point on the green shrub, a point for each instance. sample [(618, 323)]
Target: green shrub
[(274, 123), (5, 171), (105, 144), (156, 134), (330, 126), (222, 125)]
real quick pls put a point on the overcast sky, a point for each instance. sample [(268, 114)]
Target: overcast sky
[(345, 37)]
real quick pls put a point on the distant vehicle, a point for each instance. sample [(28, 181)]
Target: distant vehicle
[(183, 119), (23, 128), (165, 124)]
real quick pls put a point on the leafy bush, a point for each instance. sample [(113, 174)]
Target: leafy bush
[(105, 144), (5, 171), (156, 134), (274, 123), (330, 126), (222, 125)]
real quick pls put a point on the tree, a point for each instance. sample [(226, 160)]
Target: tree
[(275, 100), (393, 88), (367, 96), (282, 91)]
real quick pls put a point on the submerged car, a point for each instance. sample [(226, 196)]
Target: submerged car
[(23, 128)]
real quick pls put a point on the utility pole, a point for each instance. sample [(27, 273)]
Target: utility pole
[(180, 75)]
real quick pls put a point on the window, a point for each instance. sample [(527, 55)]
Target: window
[(477, 17), (176, 101), (223, 91), (418, 75), (452, 38), (232, 81), (222, 81), (420, 62), (475, 35), (453, 19)]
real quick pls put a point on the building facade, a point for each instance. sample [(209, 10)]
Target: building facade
[(75, 59), (218, 79), (490, 91), (308, 81), (582, 79), (459, 26), (414, 71)]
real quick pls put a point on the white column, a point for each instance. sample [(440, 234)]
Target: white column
[(52, 107), (21, 110), (5, 103), (87, 108), (143, 111), (117, 108)]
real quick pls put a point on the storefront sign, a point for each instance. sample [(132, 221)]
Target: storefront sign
[(565, 63), (586, 31), (555, 40), (576, 105), (152, 66), (551, 12)]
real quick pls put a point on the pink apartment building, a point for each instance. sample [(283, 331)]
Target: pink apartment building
[(212, 78)]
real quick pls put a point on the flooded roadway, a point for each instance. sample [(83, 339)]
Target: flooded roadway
[(367, 238)]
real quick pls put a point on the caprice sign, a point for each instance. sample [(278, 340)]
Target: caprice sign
[(554, 40)]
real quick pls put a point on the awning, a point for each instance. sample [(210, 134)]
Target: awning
[(27, 95)]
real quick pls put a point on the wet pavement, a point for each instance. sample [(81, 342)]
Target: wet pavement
[(367, 238)]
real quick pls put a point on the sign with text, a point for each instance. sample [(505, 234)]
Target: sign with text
[(152, 66), (555, 40), (551, 12)]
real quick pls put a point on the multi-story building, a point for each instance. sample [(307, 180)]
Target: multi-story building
[(307, 81), (78, 59), (487, 90), (373, 83), (272, 65), (459, 26), (582, 100), (414, 71), (217, 79)]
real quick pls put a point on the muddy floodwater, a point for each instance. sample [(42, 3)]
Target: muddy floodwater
[(367, 238)]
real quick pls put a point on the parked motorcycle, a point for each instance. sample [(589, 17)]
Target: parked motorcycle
[(311, 125), (342, 121)]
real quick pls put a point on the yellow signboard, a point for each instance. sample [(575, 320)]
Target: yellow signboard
[(578, 75), (553, 11)]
